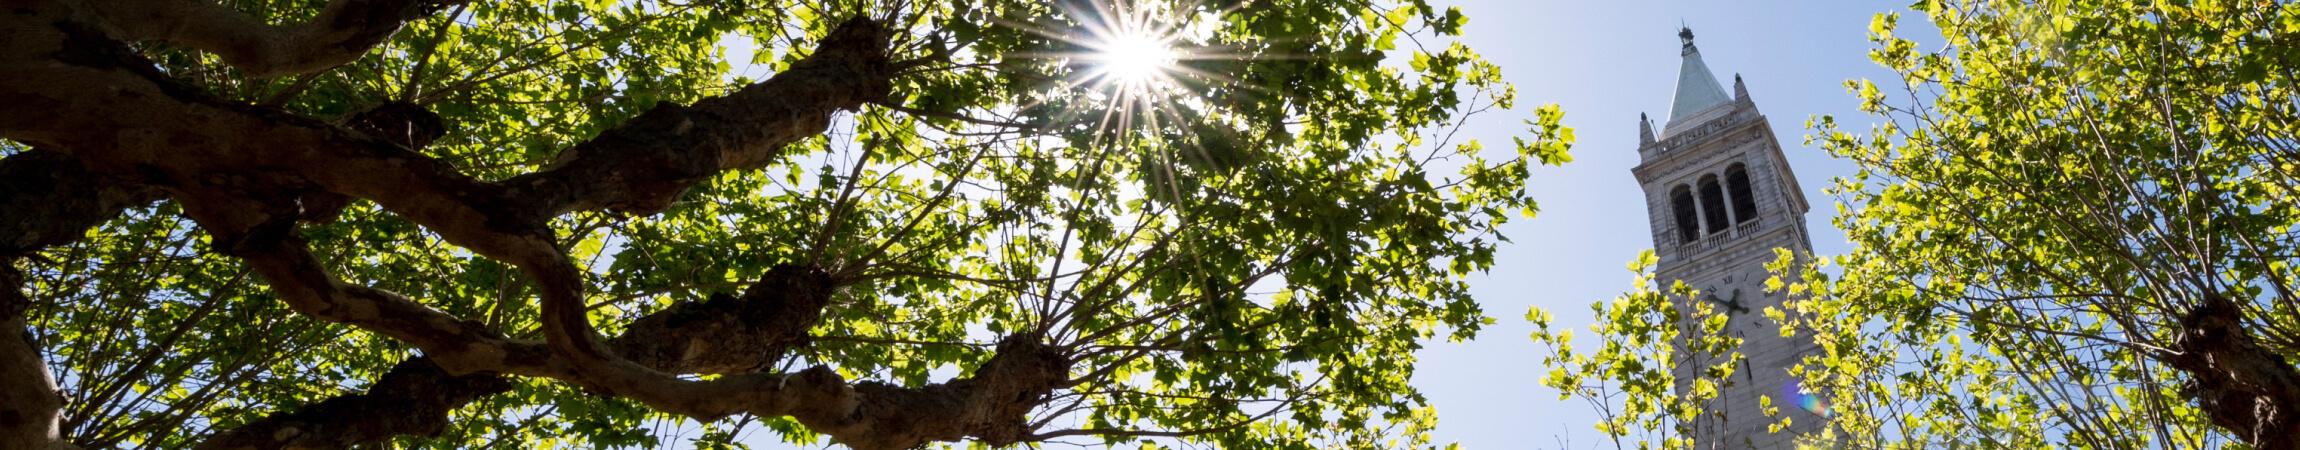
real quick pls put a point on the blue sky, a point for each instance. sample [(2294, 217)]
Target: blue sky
[(1604, 62)]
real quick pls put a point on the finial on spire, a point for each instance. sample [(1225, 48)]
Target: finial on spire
[(1644, 130), (1740, 90), (1697, 87)]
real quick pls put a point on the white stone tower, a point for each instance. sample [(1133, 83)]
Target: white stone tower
[(1722, 198)]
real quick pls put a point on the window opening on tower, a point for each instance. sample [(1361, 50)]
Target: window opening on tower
[(1737, 187), (1712, 205)]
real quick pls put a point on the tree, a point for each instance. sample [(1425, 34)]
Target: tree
[(454, 224), (2075, 226), (1661, 359)]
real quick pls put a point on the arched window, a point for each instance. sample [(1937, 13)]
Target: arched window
[(1688, 221), (1737, 187), (1712, 204)]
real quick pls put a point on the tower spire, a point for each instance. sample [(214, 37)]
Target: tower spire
[(1697, 87)]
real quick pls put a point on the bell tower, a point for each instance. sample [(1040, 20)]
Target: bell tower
[(1721, 198)]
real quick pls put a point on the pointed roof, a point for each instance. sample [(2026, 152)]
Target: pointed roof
[(1697, 87)]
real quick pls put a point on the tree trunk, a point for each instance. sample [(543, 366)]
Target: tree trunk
[(2242, 387), (30, 405)]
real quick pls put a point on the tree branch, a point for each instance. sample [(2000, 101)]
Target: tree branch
[(30, 405), (414, 398), (103, 90), (722, 335), (2241, 386), (50, 199), (643, 165), (735, 336)]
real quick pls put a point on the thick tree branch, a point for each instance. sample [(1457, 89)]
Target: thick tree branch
[(723, 335), (731, 335), (103, 92), (642, 166), (991, 406), (344, 30), (47, 198), (2240, 385), (80, 92), (250, 229), (414, 398)]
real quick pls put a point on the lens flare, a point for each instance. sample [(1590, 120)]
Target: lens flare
[(1810, 402), (1130, 56), (1128, 74), (1135, 60)]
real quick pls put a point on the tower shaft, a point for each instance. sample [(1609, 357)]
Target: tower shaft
[(1722, 198)]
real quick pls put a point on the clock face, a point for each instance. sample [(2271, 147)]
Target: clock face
[(1727, 300)]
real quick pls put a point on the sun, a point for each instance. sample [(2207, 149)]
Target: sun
[(1131, 62), (1132, 50), (1133, 59)]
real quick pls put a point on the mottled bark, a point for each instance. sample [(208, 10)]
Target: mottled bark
[(730, 334), (109, 107), (30, 405), (88, 95), (723, 335), (344, 30), (2240, 385), (643, 165), (990, 405), (414, 398)]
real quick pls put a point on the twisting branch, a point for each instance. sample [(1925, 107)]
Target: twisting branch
[(414, 398), (252, 231), (723, 335), (103, 89), (643, 165)]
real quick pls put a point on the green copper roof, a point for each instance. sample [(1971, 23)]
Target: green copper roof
[(1697, 88)]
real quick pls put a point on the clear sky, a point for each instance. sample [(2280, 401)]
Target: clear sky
[(1604, 62)]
